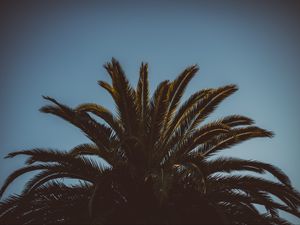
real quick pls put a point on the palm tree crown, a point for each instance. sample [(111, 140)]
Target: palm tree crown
[(160, 165)]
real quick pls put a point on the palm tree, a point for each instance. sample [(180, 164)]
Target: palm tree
[(150, 163)]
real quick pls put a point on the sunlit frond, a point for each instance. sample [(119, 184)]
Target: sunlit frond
[(158, 109), (126, 96), (104, 114), (98, 133), (142, 98), (175, 92), (235, 136)]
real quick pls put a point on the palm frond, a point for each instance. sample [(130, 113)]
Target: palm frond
[(235, 136), (54, 174), (91, 149), (265, 200), (56, 162), (209, 100), (236, 120), (52, 203), (158, 107), (179, 146), (142, 97), (92, 170), (17, 173), (210, 103), (88, 170), (98, 133), (126, 102), (184, 109), (249, 183), (51, 156), (241, 213), (43, 155), (230, 164), (109, 89), (176, 90), (202, 135), (104, 114)]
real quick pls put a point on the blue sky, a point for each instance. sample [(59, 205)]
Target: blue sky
[(58, 49)]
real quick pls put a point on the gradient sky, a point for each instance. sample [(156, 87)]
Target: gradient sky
[(58, 49)]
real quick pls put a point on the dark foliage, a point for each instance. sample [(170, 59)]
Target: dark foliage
[(161, 169)]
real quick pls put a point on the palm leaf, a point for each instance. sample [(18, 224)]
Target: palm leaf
[(249, 183), (235, 136), (142, 97), (109, 89), (179, 146), (158, 107), (91, 149), (20, 172), (104, 114), (236, 120), (49, 204), (126, 101), (98, 133), (176, 90), (210, 103), (229, 164), (51, 175), (209, 100), (184, 110)]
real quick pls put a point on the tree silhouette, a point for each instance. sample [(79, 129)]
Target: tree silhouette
[(160, 165)]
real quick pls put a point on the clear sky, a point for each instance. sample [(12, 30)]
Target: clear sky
[(58, 49)]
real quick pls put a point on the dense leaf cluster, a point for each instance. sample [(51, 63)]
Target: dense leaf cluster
[(161, 169)]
